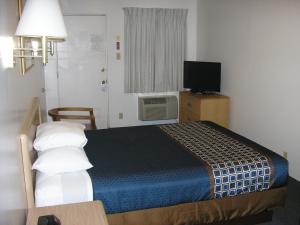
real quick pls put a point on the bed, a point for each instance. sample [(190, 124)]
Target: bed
[(157, 175)]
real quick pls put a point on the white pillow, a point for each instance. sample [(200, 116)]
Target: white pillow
[(63, 188), (59, 134), (62, 160), (60, 124)]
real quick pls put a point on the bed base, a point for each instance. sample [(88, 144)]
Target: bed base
[(259, 218), (246, 209), (263, 217)]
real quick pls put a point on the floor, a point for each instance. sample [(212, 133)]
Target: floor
[(290, 214)]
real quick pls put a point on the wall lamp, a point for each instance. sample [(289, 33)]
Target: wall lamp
[(42, 23)]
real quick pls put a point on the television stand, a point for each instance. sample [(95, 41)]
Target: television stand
[(199, 92), (204, 93)]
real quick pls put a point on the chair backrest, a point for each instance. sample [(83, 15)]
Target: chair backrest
[(57, 116)]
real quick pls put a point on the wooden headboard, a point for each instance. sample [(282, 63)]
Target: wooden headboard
[(27, 134)]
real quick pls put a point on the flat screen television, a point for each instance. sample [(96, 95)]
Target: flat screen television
[(204, 77)]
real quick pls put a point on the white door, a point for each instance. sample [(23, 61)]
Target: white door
[(82, 77)]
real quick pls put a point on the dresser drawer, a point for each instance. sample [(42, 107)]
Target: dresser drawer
[(194, 107), (192, 104), (188, 116)]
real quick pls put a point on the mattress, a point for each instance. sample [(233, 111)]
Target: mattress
[(62, 188), (157, 166)]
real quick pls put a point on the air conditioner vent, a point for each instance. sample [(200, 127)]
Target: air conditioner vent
[(158, 108), (152, 101), (153, 113)]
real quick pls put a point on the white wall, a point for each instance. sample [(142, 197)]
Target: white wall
[(118, 101), (257, 42), (15, 95)]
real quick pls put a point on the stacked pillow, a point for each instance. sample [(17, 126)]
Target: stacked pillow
[(60, 148)]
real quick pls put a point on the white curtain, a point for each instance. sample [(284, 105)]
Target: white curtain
[(155, 42)]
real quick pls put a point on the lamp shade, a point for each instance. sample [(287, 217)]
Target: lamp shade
[(42, 18)]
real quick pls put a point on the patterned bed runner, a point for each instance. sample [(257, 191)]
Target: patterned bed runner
[(235, 167)]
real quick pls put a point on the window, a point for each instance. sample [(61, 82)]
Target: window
[(155, 43)]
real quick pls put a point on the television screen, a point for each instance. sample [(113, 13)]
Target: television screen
[(202, 76)]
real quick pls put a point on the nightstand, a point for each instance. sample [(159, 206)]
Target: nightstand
[(85, 213)]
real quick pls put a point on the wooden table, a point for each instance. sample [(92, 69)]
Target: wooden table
[(85, 213)]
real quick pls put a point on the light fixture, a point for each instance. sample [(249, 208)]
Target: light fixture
[(42, 22)]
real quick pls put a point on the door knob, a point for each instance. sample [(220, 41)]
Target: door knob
[(103, 70), (103, 82)]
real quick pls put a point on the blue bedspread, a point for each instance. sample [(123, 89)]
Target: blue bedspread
[(143, 167)]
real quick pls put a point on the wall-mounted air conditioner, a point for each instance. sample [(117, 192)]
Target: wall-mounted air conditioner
[(158, 108)]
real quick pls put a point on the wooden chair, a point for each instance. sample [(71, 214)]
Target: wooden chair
[(56, 116)]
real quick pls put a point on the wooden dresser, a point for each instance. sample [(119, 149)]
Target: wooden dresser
[(195, 107)]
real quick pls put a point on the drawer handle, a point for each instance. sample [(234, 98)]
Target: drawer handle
[(189, 105)]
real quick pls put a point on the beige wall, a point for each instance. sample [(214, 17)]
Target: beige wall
[(258, 43), (15, 94)]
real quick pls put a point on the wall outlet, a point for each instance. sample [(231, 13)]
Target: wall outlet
[(285, 155), (120, 115)]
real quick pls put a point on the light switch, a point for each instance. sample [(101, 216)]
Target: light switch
[(118, 56)]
